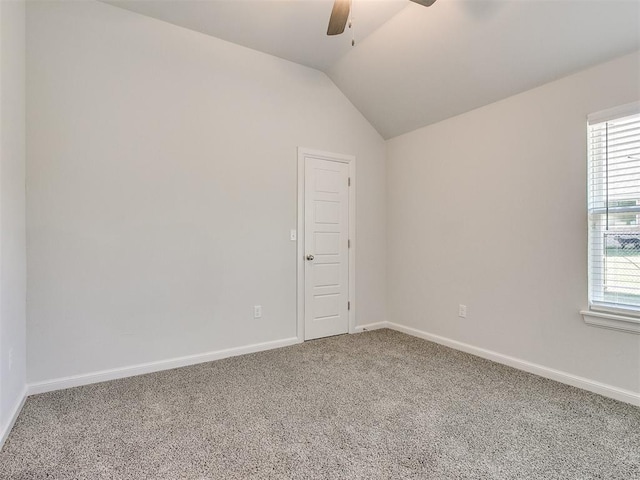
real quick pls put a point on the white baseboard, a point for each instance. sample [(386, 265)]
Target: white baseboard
[(113, 374), (603, 389), (6, 429), (140, 369), (371, 326)]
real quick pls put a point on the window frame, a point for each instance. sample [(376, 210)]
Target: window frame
[(600, 312)]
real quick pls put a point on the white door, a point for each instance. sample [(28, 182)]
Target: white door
[(326, 238)]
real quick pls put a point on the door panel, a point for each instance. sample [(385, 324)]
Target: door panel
[(327, 212), (326, 242)]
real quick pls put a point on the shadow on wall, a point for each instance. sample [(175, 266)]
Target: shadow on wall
[(482, 10)]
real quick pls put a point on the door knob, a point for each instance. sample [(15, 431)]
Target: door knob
[(310, 257)]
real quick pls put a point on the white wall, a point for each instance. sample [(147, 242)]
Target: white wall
[(162, 187), (12, 210), (487, 209)]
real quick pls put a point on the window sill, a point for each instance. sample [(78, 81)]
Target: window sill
[(611, 321)]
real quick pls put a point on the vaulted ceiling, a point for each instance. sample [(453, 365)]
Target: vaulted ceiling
[(412, 65)]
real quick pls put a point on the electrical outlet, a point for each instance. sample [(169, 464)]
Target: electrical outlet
[(10, 359), (462, 311), (257, 311)]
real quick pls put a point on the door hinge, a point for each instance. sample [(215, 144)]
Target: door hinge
[(349, 181), (348, 305), (349, 243)]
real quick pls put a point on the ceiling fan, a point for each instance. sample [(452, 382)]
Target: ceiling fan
[(340, 14)]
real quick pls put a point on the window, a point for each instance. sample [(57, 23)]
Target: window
[(614, 210)]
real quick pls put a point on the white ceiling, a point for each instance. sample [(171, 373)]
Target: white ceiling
[(428, 64), (412, 65), (291, 29)]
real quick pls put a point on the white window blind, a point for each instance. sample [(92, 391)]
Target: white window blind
[(614, 210)]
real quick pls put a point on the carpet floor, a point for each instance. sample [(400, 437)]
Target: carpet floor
[(377, 405)]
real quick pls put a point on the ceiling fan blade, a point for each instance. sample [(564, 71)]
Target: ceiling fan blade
[(424, 3), (339, 16)]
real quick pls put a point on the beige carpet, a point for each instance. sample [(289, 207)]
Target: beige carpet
[(377, 405)]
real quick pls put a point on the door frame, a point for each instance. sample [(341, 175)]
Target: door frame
[(350, 160)]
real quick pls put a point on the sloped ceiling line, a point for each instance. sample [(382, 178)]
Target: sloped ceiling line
[(413, 66)]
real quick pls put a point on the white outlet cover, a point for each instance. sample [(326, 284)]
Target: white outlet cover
[(293, 235)]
